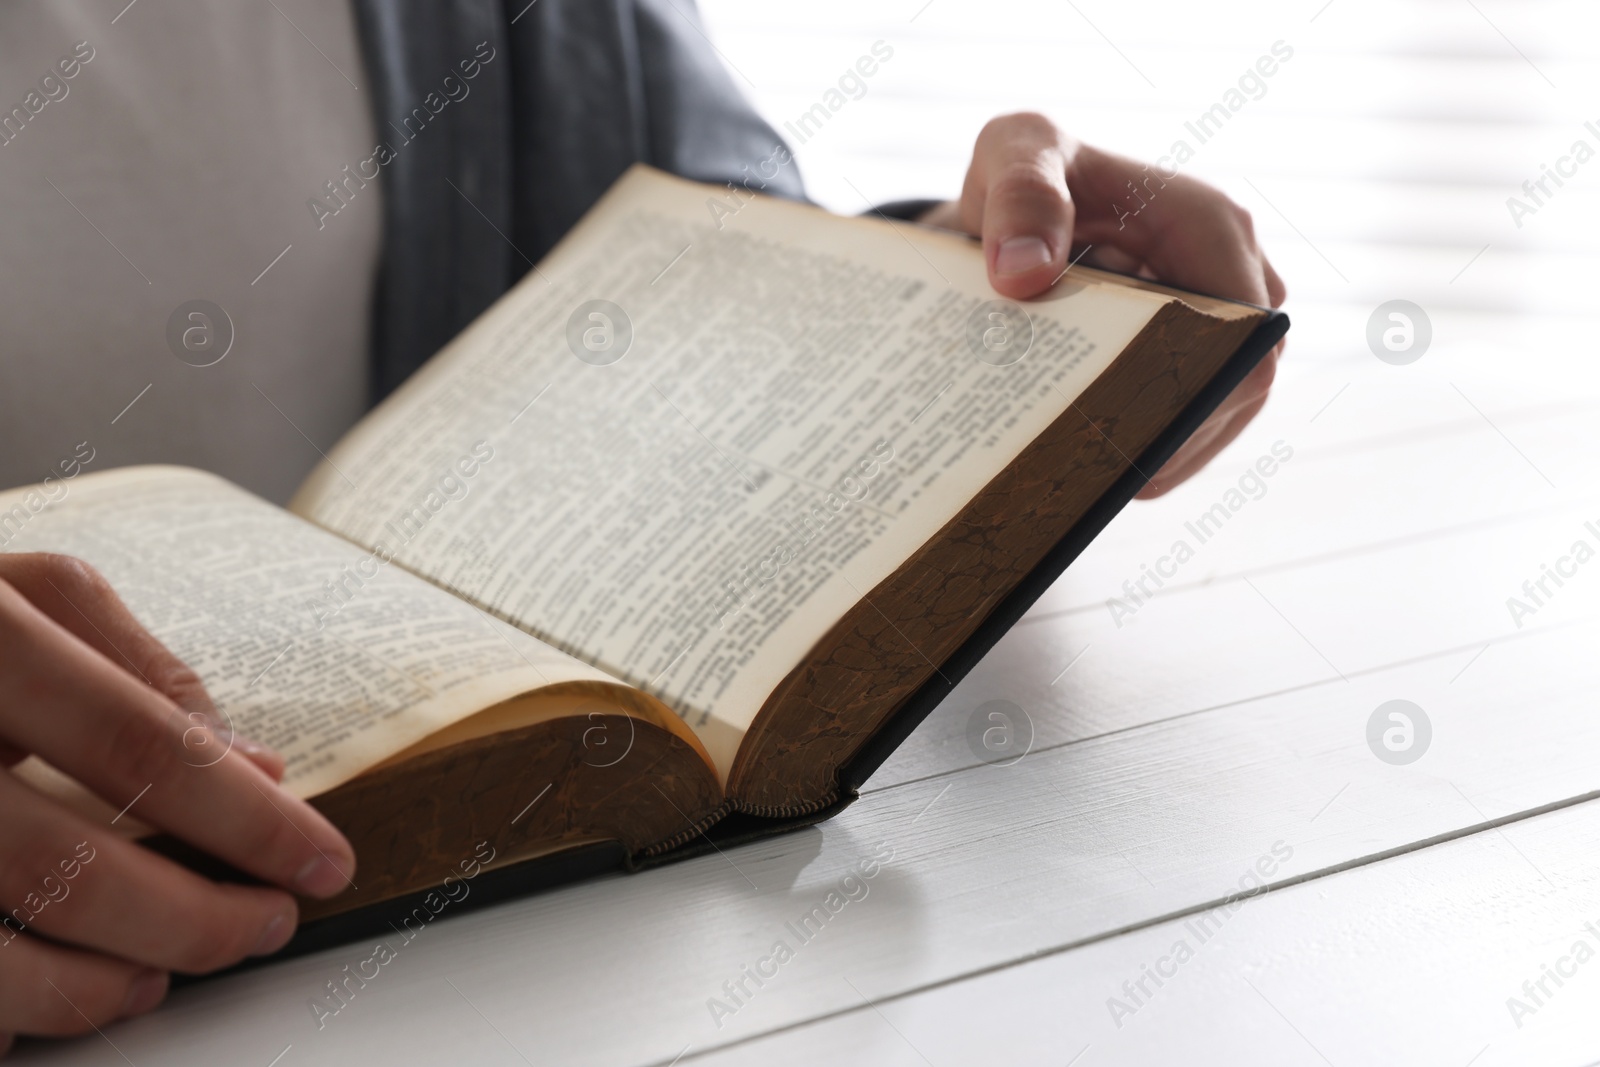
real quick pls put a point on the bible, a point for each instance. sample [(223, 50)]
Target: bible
[(670, 547)]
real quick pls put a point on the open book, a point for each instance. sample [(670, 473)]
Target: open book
[(674, 533)]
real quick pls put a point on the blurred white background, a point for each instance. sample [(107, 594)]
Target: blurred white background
[(1390, 141)]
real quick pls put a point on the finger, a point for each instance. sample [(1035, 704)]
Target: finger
[(1109, 257), (1016, 197), (78, 598), (1175, 474), (122, 739), (76, 882), (56, 991), (1277, 292), (1185, 233), (1175, 471), (1219, 431), (1190, 234)]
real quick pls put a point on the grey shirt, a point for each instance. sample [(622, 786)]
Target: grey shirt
[(165, 155)]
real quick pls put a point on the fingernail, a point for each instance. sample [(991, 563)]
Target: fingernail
[(321, 878), (145, 992), (1018, 254), (275, 936), (253, 749)]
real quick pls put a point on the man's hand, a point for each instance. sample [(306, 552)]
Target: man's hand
[(1034, 194), (90, 691)]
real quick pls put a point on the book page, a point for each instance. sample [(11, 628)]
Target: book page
[(710, 430), (306, 642)]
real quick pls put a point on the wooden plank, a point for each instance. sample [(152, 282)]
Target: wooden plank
[(1333, 396), (1412, 960), (1214, 641), (1439, 493)]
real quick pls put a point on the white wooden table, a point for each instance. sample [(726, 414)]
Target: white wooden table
[(1220, 731)]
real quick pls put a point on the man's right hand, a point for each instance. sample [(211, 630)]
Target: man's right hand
[(94, 923)]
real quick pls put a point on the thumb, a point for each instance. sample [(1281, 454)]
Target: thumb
[(1017, 193)]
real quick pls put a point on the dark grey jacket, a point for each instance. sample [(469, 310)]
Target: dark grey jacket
[(576, 92)]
